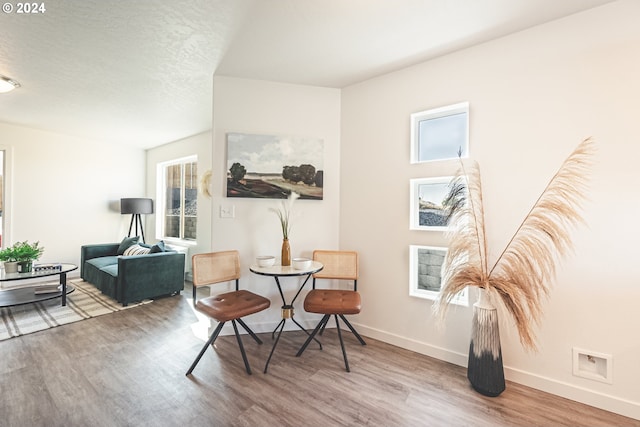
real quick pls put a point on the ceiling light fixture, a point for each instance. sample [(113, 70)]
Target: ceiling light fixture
[(7, 84)]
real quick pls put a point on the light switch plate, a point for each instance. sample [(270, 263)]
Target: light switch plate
[(227, 211)]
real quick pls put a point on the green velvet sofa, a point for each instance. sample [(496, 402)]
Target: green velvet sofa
[(130, 278)]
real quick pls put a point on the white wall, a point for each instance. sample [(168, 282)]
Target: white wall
[(199, 145), (533, 97), (65, 191), (251, 106)]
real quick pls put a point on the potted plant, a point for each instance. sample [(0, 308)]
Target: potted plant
[(7, 255), (25, 253)]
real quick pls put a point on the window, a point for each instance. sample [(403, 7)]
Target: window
[(425, 273), (440, 133), (178, 198)]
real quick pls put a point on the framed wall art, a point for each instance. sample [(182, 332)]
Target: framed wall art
[(426, 209), (271, 166)]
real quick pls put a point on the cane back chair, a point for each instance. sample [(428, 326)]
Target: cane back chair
[(222, 267), (340, 265)]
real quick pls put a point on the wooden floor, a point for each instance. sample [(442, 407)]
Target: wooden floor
[(128, 369)]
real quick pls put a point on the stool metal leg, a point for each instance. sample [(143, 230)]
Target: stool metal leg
[(213, 337), (344, 352), (353, 330), (244, 355), (249, 331), (322, 322)]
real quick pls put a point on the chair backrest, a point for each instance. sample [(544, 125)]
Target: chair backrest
[(215, 267), (341, 265)]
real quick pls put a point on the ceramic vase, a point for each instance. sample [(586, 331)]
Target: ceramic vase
[(286, 252), (485, 370)]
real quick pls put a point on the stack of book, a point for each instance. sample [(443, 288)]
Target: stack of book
[(46, 267)]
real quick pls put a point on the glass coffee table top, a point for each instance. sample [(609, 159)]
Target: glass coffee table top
[(13, 293)]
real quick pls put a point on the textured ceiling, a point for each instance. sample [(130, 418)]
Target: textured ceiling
[(141, 72)]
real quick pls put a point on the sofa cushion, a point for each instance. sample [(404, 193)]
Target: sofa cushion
[(158, 247), (100, 272), (136, 250), (127, 242), (103, 261)]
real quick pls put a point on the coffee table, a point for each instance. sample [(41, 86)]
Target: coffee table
[(27, 294)]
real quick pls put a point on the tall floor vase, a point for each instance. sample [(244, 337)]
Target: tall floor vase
[(485, 370)]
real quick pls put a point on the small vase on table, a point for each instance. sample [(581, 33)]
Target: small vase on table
[(286, 253)]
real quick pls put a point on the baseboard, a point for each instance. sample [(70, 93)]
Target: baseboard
[(606, 402)]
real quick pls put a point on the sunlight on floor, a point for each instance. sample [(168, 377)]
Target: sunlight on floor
[(201, 327)]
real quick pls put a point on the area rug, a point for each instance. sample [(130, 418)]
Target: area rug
[(83, 303)]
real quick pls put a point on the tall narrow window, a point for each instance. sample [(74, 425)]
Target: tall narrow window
[(180, 198)]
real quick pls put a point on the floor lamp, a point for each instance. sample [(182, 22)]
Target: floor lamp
[(136, 207)]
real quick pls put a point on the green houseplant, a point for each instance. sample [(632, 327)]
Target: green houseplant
[(25, 253), (8, 256)]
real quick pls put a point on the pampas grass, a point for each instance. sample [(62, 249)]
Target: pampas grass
[(521, 276)]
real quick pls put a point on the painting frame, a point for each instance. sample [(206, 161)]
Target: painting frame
[(273, 166), (425, 207)]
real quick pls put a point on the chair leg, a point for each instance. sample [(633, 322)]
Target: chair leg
[(249, 331), (244, 355), (353, 330), (324, 320), (194, 295), (344, 352), (213, 337), (322, 329)]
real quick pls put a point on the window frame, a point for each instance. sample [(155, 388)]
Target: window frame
[(436, 113), (414, 289), (161, 205)]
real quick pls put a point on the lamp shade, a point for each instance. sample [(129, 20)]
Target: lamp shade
[(136, 206)]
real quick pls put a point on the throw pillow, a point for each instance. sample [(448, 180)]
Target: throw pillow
[(126, 242), (136, 250), (158, 247)]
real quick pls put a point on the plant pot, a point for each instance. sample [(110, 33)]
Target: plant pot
[(25, 266), (11, 266), (484, 370)]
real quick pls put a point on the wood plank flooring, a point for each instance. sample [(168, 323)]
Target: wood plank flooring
[(128, 369)]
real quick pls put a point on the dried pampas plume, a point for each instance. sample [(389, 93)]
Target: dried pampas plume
[(521, 274)]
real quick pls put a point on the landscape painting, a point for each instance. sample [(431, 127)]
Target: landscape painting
[(271, 166), (427, 210)]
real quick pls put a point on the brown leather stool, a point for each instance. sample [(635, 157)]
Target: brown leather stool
[(218, 267), (334, 302)]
